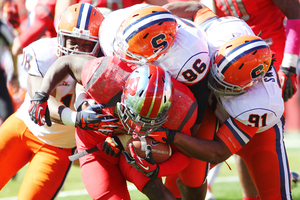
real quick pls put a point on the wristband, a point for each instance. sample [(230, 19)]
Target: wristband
[(292, 44), (83, 97), (289, 60), (42, 93), (68, 116), (80, 98)]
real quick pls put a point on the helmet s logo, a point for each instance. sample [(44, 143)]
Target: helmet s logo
[(158, 42), (257, 72)]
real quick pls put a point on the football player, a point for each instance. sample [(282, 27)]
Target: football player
[(47, 147), (103, 79), (283, 37), (151, 34), (203, 18), (248, 104), (105, 6), (283, 40)]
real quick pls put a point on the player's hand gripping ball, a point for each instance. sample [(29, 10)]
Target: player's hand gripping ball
[(160, 151)]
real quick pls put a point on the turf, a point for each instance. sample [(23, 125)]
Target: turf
[(226, 187)]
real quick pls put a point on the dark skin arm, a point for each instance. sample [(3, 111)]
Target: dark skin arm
[(185, 9), (290, 8), (212, 151), (62, 68), (33, 83), (59, 71)]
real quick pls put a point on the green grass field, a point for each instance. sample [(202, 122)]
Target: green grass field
[(225, 187)]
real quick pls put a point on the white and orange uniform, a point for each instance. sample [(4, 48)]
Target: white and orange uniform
[(252, 12), (46, 148), (253, 128), (187, 60), (252, 123)]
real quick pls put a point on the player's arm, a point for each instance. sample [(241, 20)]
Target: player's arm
[(61, 69), (230, 138), (157, 2), (176, 163), (196, 11), (287, 72), (186, 9), (213, 151), (33, 83), (41, 88), (91, 118)]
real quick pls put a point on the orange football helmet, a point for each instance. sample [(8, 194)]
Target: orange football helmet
[(146, 99), (82, 21), (145, 35), (239, 64)]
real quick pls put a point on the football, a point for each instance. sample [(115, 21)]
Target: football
[(160, 151)]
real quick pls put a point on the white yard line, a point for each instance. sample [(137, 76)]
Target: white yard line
[(291, 141)]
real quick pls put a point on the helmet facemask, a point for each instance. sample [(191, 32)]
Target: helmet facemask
[(80, 22), (217, 84), (239, 64), (76, 33)]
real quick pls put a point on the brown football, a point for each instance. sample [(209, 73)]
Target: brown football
[(160, 151)]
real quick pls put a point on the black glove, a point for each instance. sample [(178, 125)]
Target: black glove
[(163, 135), (145, 165), (92, 118), (39, 108), (289, 82), (113, 146)]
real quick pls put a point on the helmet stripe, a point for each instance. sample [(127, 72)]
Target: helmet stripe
[(150, 107), (158, 94), (239, 52), (149, 95), (145, 22), (84, 16)]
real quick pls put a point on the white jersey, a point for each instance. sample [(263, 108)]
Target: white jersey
[(221, 30), (38, 57), (187, 60), (261, 106)]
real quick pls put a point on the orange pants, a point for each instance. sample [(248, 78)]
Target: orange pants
[(264, 155), (48, 166)]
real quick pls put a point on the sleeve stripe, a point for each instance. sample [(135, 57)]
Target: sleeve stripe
[(205, 25), (241, 136)]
